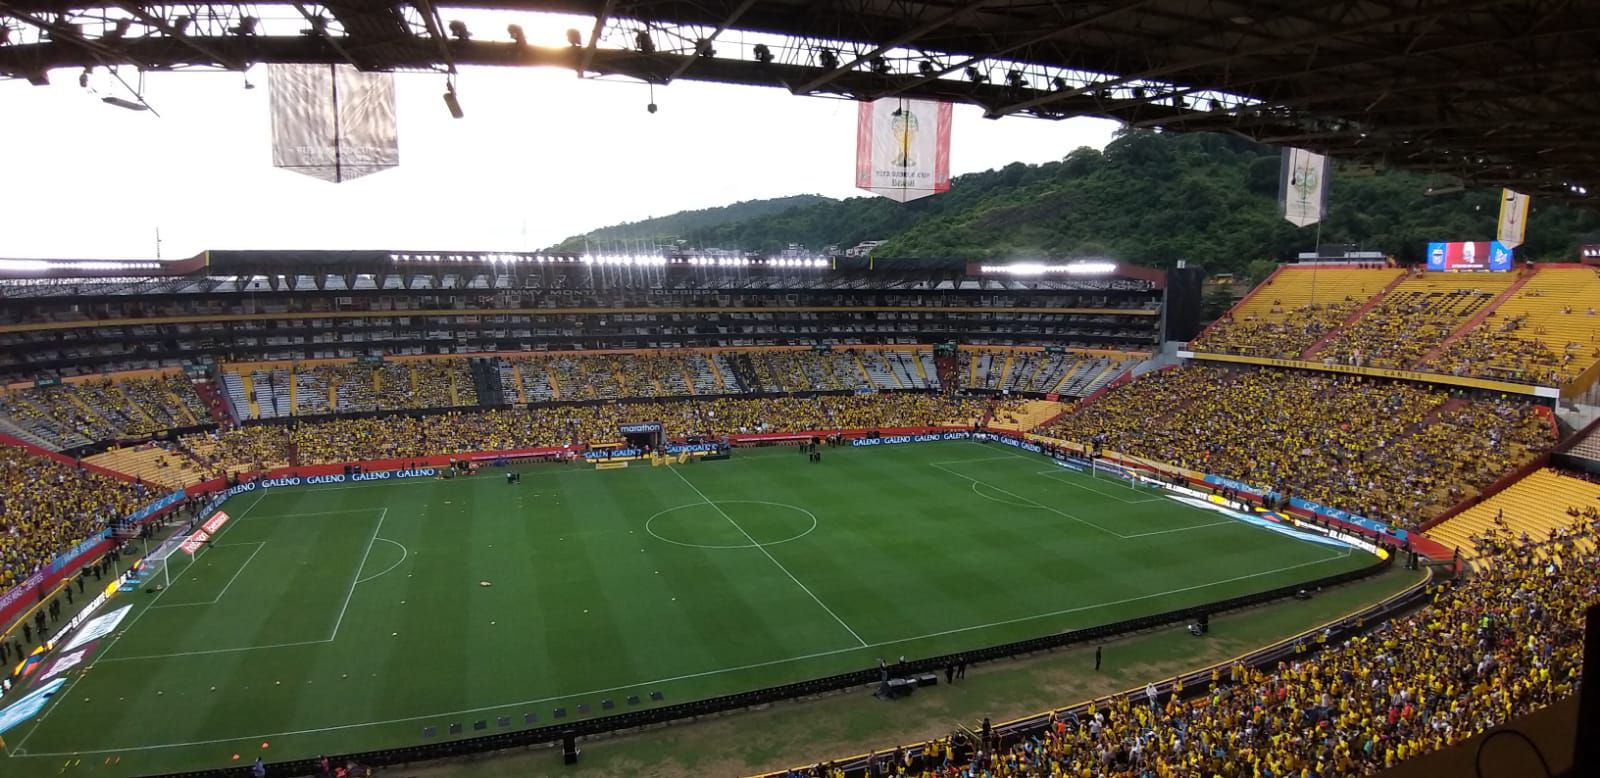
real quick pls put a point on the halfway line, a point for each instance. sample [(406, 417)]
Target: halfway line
[(768, 554)]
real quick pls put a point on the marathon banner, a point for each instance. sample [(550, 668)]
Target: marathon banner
[(1303, 187), (157, 506), (693, 448), (29, 706), (1010, 441), (63, 560), (1071, 463), (639, 428), (1239, 486), (903, 148), (314, 480), (895, 440), (1347, 517)]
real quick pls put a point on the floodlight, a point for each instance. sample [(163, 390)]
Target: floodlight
[(642, 40), (763, 54), (574, 38), (459, 29), (517, 35)]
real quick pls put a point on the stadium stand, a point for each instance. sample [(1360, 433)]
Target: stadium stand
[(165, 465), (1413, 319), (1396, 452), (1485, 651), (1293, 309), (1542, 507), (265, 446), (47, 507), (1069, 374), (1548, 332), (75, 414)]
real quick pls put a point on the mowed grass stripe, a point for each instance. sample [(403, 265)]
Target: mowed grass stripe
[(907, 554)]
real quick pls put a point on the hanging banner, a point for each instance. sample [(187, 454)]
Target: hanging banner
[(1303, 187), (903, 148), (332, 122), (1513, 218)]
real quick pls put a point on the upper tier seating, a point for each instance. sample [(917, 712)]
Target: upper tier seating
[(1292, 310), (1546, 333), (1414, 318), (1541, 506), (76, 414)]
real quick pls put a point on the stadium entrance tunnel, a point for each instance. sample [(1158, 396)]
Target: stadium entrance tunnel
[(728, 524)]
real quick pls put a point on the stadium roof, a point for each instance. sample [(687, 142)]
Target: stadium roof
[(1487, 91)]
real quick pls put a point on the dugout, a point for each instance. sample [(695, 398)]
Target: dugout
[(643, 436)]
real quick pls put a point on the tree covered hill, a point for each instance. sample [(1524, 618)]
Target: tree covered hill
[(1149, 198), (689, 225)]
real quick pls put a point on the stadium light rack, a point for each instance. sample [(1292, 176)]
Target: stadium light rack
[(1040, 268)]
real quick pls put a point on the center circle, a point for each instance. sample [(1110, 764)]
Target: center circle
[(719, 524)]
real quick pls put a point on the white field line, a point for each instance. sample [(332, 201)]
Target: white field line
[(673, 679), (382, 512), (259, 544), (405, 553), (65, 691), (768, 554), (356, 579), (1032, 503), (1074, 484)]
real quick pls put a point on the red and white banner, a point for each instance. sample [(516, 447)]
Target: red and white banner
[(903, 148)]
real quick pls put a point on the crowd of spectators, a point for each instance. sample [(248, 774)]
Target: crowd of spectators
[(1500, 645), (1394, 451), (47, 507), (1284, 334), (1497, 349), (74, 414), (1403, 328), (260, 447)]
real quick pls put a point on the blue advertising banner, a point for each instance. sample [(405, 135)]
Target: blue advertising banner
[(311, 480), (151, 509), (693, 448), (895, 440)]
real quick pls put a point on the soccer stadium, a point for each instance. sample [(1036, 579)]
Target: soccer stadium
[(659, 508)]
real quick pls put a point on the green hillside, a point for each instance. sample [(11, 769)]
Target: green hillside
[(689, 225), (1149, 198)]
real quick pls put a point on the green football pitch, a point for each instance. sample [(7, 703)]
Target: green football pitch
[(353, 617)]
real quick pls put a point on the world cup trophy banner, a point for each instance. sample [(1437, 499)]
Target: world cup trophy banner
[(903, 148)]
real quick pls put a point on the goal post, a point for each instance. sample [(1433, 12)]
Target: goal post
[(176, 550)]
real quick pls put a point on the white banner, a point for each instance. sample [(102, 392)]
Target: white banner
[(903, 148), (1513, 218), (1303, 187), (332, 122)]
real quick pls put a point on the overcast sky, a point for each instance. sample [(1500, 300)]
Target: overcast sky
[(541, 155)]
